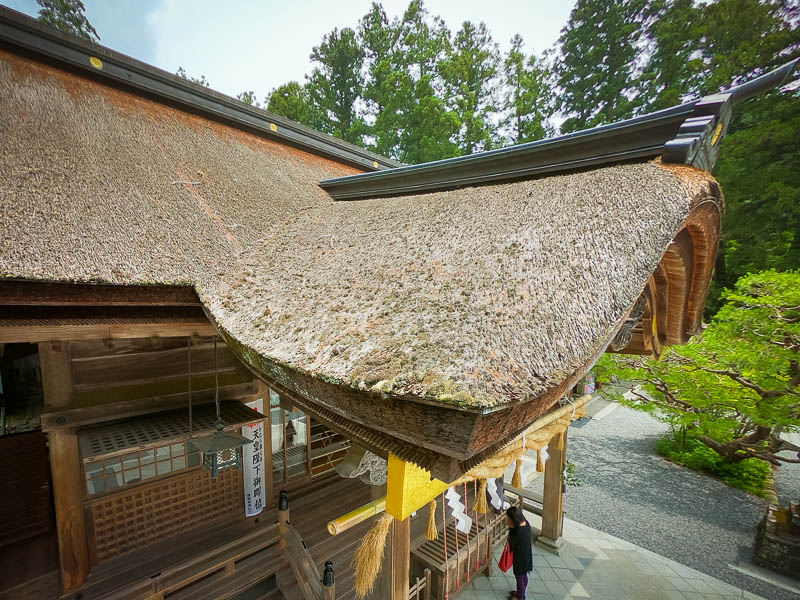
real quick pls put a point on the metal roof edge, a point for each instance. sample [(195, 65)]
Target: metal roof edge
[(688, 133), (21, 31)]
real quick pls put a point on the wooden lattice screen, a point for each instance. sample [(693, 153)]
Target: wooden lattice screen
[(132, 519)]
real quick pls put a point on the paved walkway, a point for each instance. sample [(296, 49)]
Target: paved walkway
[(599, 566)]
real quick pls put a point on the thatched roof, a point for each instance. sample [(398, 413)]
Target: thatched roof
[(475, 297), (88, 186)]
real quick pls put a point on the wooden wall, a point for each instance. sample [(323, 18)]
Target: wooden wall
[(125, 377)]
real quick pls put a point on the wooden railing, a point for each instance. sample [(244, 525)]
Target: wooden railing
[(422, 588), (311, 584)]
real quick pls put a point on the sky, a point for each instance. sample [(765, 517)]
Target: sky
[(258, 45)]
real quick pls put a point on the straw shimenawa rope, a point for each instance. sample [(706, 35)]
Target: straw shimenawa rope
[(480, 501), (369, 556), (431, 533), (516, 481)]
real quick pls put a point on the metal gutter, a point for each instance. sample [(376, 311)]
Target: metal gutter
[(20, 31), (688, 133)]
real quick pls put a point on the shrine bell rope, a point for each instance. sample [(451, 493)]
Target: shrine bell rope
[(368, 557)]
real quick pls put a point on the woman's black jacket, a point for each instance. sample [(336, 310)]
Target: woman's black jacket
[(519, 538)]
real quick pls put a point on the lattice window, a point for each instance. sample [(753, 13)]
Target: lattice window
[(143, 515), (133, 451), (104, 475)]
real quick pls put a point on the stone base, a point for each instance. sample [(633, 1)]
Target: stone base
[(556, 546)]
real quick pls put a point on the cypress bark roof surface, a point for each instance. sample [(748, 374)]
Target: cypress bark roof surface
[(473, 297)]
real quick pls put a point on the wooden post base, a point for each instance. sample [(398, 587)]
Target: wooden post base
[(556, 546)]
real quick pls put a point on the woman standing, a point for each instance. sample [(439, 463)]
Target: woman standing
[(520, 541)]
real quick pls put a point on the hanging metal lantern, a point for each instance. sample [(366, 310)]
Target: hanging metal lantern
[(221, 450)]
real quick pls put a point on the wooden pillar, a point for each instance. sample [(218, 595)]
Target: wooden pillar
[(401, 558), (65, 464), (553, 502), (55, 362), (68, 496)]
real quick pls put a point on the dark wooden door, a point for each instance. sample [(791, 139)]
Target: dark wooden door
[(25, 500)]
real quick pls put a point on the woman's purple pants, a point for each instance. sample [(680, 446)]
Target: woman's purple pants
[(522, 584)]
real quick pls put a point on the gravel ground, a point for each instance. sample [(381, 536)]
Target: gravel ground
[(632, 493)]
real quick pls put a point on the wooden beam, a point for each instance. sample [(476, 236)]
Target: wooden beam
[(99, 331), (401, 558), (553, 500), (47, 293), (70, 521), (55, 419), (56, 366)]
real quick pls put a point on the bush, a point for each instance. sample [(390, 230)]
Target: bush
[(750, 474)]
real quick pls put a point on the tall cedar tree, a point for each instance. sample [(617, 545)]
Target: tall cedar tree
[(429, 127), (738, 40), (471, 74), (290, 100), (336, 85), (528, 99), (743, 38), (597, 67), (412, 122), (675, 66), (67, 16), (379, 38)]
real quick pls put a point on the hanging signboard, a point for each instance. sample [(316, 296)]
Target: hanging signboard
[(254, 464)]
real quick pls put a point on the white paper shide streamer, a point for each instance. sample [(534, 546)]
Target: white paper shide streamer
[(463, 521), (494, 496)]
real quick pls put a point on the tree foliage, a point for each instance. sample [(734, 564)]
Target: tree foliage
[(737, 387), (411, 121), (336, 84), (291, 101), (181, 72), (528, 102), (470, 74), (675, 66), (249, 97), (596, 70), (67, 16), (760, 175)]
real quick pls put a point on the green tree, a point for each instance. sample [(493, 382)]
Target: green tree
[(379, 39), (249, 97), (411, 121), (471, 73), (737, 387), (336, 85), (760, 175), (528, 99), (67, 16), (181, 72), (596, 71), (291, 101), (739, 39), (675, 66)]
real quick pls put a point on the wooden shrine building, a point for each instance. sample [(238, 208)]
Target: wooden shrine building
[(179, 269)]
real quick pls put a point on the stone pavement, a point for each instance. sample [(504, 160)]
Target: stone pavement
[(599, 566)]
